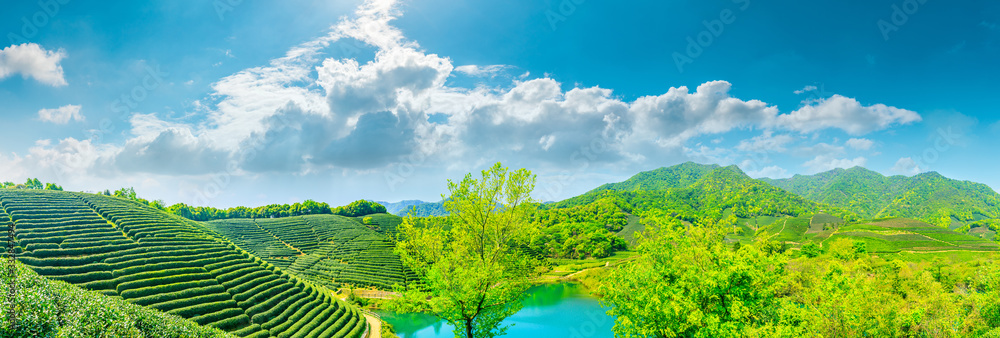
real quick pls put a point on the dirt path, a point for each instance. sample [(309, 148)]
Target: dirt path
[(779, 231), (375, 326)]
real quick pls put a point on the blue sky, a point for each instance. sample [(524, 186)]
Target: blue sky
[(233, 102)]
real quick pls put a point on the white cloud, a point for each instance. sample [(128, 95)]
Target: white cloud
[(307, 113), (805, 90), (61, 115), (906, 166), (484, 71), (766, 143), (860, 143), (31, 60), (769, 172), (677, 116), (827, 162), (847, 114)]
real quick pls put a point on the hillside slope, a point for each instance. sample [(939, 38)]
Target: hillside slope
[(164, 262), (47, 308), (929, 196), (694, 191), (328, 250)]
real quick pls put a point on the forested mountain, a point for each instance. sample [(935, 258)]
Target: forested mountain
[(929, 196), (396, 207), (425, 209), (699, 192)]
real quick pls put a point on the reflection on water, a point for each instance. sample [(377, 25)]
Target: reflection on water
[(550, 311)]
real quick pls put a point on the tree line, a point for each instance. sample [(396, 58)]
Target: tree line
[(31, 183)]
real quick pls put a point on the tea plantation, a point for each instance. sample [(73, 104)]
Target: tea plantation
[(329, 250), (47, 308), (124, 249)]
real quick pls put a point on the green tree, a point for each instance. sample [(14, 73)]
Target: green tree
[(688, 282), (473, 267)]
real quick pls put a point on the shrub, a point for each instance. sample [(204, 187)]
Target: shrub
[(200, 309), (188, 293), (257, 289), (152, 290), (217, 316), (163, 281), (185, 302), (84, 277)]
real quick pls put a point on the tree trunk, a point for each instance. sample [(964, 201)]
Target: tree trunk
[(468, 328)]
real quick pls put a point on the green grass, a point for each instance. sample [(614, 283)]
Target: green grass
[(147, 257), (46, 308)]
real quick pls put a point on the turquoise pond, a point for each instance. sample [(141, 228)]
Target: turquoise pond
[(550, 311)]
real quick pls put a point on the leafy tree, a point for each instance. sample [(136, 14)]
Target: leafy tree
[(7, 185), (53, 186), (811, 250), (473, 268), (687, 282), (359, 208)]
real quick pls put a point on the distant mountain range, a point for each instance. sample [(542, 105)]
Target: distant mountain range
[(420, 208), (929, 196), (699, 190), (394, 208), (691, 191)]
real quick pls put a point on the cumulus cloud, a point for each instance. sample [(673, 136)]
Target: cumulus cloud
[(847, 114), (32, 61), (306, 112), (61, 115), (906, 166), (860, 143), (823, 163), (767, 142)]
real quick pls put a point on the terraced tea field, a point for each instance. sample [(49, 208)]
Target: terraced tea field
[(329, 250), (121, 248), (880, 236)]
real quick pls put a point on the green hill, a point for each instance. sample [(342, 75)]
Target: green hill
[(47, 308), (693, 191), (426, 209), (929, 196), (328, 250), (395, 208), (160, 261), (678, 176)]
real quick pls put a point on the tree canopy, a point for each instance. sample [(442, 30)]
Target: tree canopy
[(474, 267)]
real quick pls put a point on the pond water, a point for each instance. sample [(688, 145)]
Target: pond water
[(550, 311)]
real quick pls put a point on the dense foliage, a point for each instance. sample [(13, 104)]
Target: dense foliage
[(359, 208), (689, 283), (119, 247), (581, 231), (46, 308), (427, 209), (929, 196), (474, 273)]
